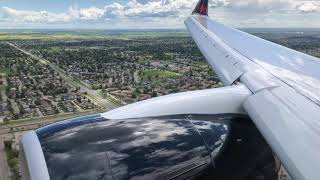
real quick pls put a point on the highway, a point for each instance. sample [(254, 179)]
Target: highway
[(93, 94), (24, 125)]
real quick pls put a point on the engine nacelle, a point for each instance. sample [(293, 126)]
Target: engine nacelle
[(194, 135), (225, 100)]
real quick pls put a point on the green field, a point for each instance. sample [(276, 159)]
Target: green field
[(5, 72), (111, 98), (93, 34), (37, 36), (13, 160), (160, 73), (152, 34)]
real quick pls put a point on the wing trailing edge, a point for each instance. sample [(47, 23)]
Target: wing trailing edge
[(201, 8), (285, 104)]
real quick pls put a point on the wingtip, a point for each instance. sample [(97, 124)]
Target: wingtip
[(201, 8)]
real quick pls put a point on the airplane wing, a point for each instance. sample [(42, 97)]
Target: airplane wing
[(285, 86), (204, 132)]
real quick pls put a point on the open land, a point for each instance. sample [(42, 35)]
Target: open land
[(47, 76)]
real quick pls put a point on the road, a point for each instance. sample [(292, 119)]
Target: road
[(93, 94), (4, 168), (30, 124)]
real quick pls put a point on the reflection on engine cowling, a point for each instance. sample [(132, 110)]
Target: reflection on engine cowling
[(167, 147)]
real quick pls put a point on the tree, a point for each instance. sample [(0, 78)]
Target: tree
[(154, 93)]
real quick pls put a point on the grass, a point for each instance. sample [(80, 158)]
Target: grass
[(153, 34), (200, 63), (37, 36), (110, 98), (13, 160), (79, 81), (5, 72), (125, 35), (57, 117), (160, 73)]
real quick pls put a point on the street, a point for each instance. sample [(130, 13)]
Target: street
[(93, 94)]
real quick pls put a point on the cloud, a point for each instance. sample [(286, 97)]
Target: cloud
[(89, 13), (152, 10), (17, 16), (133, 8), (309, 6), (160, 8), (33, 16), (284, 6)]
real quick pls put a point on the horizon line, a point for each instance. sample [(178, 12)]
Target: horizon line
[(143, 29)]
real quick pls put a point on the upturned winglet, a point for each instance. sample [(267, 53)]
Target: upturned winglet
[(201, 8)]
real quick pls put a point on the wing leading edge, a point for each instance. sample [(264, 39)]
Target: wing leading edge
[(285, 86)]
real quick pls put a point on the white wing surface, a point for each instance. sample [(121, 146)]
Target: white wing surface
[(285, 86)]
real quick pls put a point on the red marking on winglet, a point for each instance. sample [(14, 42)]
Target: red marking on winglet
[(202, 8)]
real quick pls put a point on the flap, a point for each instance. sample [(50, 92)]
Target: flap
[(291, 125)]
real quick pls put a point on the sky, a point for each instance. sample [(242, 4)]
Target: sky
[(155, 14)]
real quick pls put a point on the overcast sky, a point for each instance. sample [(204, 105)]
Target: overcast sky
[(115, 14)]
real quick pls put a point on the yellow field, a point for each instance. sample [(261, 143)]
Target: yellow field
[(6, 36), (160, 73)]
